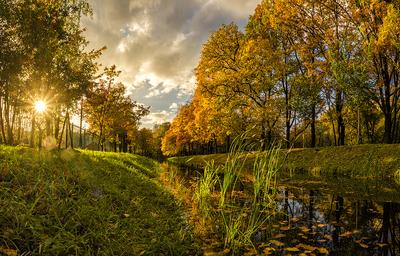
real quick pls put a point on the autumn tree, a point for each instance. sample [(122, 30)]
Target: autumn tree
[(110, 112)]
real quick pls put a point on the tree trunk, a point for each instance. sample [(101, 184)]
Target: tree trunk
[(340, 121), (57, 126), (313, 131), (32, 141), (62, 132), (287, 117), (2, 121), (387, 136), (71, 134), (80, 126)]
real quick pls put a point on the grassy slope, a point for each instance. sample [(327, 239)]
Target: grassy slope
[(355, 161), (85, 203)]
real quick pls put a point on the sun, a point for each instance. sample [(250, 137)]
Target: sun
[(40, 106)]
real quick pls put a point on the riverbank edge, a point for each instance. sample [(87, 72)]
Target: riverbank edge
[(361, 161)]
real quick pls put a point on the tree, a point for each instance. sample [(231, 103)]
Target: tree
[(110, 113)]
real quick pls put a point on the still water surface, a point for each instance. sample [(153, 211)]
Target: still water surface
[(320, 215)]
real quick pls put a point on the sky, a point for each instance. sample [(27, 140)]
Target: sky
[(156, 45)]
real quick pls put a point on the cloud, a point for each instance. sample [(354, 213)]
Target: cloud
[(157, 118), (157, 43)]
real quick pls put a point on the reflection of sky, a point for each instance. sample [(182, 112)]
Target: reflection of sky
[(157, 44)]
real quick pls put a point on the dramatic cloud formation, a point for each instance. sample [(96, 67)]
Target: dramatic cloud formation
[(156, 44)]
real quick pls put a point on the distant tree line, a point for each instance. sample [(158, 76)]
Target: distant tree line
[(44, 56), (305, 73)]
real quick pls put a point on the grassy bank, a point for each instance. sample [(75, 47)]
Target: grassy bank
[(355, 161), (87, 203)]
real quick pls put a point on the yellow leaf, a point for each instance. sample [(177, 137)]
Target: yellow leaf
[(269, 250), (323, 250), (279, 236), (346, 234), (8, 252), (285, 228), (292, 249), (363, 245), (276, 242), (381, 245), (305, 230)]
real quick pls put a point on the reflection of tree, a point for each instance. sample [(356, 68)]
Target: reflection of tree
[(311, 209), (339, 207), (390, 228)]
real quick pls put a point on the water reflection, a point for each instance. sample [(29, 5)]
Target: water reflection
[(321, 215), (343, 226)]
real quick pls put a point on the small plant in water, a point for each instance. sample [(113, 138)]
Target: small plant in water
[(240, 220)]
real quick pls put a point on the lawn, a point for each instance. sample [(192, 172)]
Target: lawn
[(360, 161), (87, 203)]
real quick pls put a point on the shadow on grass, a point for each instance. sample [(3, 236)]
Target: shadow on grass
[(87, 203)]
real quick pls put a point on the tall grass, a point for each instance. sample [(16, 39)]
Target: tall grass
[(239, 223), (205, 189)]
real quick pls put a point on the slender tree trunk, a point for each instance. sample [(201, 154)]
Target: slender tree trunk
[(71, 134), (66, 130), (2, 121), (359, 136), (57, 126), (19, 129), (33, 126), (80, 126), (287, 117), (62, 132), (313, 130), (10, 136), (340, 121)]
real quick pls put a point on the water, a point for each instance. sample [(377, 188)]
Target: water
[(324, 218), (320, 215)]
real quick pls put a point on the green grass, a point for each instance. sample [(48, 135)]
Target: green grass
[(87, 203), (371, 161)]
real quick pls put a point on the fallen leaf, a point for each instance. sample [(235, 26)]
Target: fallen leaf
[(8, 252), (305, 230), (292, 249), (276, 242), (279, 236), (323, 250), (285, 228), (346, 234), (381, 244), (363, 245), (269, 250)]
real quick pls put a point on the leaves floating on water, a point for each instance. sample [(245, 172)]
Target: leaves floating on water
[(306, 247), (276, 242), (269, 251), (323, 250), (381, 245), (286, 228), (279, 236), (292, 249), (8, 252), (346, 234), (304, 229)]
